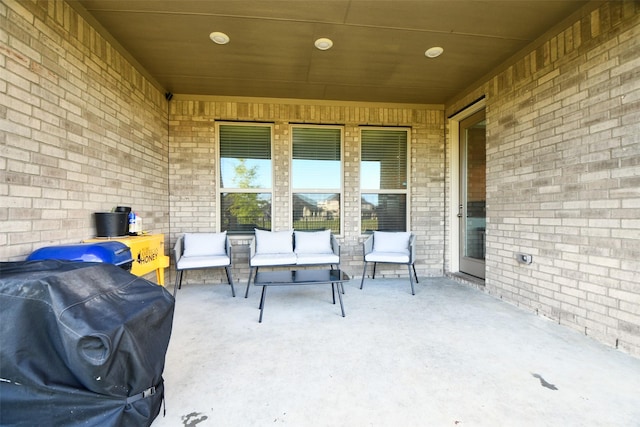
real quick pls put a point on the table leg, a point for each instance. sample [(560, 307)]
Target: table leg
[(264, 294), (340, 297), (261, 297), (160, 276)]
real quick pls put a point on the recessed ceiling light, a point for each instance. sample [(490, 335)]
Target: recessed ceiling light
[(219, 38), (434, 52), (323, 43)]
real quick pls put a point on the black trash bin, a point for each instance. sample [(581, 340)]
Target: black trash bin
[(83, 343)]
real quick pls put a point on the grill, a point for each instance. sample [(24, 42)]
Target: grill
[(106, 252)]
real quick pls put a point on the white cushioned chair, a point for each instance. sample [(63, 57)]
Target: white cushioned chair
[(393, 248), (200, 251), (292, 248)]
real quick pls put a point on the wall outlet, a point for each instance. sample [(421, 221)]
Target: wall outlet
[(524, 258)]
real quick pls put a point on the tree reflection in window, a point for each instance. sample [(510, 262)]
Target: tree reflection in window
[(247, 208), (245, 165)]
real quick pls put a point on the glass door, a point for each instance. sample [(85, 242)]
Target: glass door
[(473, 181)]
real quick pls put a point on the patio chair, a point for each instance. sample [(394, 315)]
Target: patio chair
[(201, 251), (392, 248)]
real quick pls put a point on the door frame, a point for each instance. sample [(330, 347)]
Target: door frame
[(454, 189)]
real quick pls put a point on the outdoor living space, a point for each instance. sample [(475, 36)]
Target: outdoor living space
[(450, 355), (503, 136)]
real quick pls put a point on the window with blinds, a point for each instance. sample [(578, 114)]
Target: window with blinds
[(383, 179), (316, 177), (245, 177)]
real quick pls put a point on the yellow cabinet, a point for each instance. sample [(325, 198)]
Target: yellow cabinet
[(147, 252)]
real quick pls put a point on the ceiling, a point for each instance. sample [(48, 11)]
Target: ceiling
[(378, 53)]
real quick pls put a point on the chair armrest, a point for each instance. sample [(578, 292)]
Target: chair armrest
[(335, 245), (412, 248), (177, 249), (367, 245), (227, 246), (252, 249)]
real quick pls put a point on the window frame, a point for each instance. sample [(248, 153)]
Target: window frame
[(340, 190), (220, 190), (406, 191)]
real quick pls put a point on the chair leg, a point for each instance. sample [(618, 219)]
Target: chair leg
[(413, 292), (374, 270), (233, 290), (363, 273), (246, 293), (414, 272), (337, 266), (178, 284)]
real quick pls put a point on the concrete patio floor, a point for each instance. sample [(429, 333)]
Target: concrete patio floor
[(449, 356)]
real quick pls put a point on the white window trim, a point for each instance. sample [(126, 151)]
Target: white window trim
[(454, 175), (406, 191), (319, 191), (218, 171)]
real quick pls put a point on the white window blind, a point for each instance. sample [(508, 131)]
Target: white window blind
[(384, 158), (245, 156), (316, 158)]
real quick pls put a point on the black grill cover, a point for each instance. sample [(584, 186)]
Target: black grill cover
[(81, 344)]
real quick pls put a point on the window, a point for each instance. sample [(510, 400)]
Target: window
[(245, 177), (316, 178), (383, 180)]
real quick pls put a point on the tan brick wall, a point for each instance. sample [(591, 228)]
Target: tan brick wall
[(563, 176), (81, 131), (194, 168)]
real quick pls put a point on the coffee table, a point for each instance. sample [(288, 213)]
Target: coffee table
[(301, 277)]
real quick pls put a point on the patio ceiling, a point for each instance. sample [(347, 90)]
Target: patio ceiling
[(378, 53)]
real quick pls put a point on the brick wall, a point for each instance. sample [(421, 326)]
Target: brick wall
[(81, 131), (194, 168), (563, 176)]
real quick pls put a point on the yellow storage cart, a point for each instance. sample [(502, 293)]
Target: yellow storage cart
[(147, 251)]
